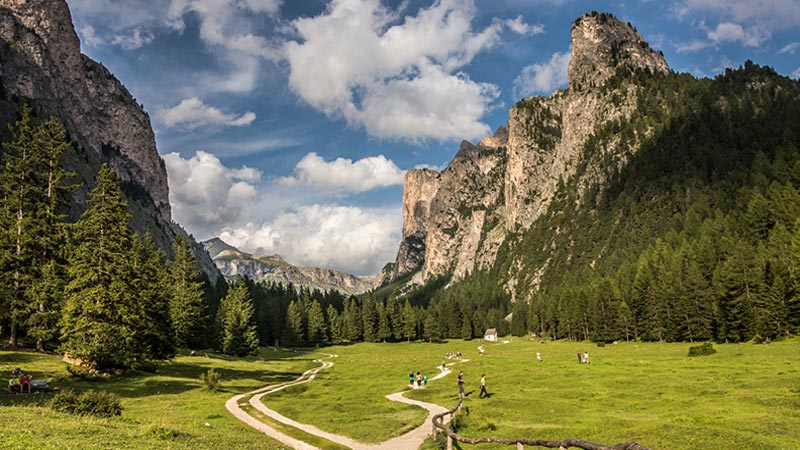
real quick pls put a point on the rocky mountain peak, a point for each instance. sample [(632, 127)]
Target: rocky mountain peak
[(52, 23), (601, 43)]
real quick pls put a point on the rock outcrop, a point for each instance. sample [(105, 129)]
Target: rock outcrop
[(41, 65), (234, 263), (504, 183)]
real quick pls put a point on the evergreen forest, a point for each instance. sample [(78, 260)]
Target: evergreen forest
[(690, 233)]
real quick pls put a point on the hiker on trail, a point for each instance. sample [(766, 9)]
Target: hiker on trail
[(424, 380), (538, 357), (579, 358), (418, 380), (411, 379), (484, 392), (461, 384), (586, 357)]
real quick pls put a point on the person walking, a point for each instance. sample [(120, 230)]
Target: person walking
[(484, 392), (538, 356), (461, 384)]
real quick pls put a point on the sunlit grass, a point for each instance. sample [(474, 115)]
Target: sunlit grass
[(745, 396), (166, 409)]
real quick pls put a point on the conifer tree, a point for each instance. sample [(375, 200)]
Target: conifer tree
[(154, 332), (409, 322), (32, 236), (97, 322), (335, 325), (369, 319), (395, 314), (240, 337), (294, 332), (317, 329), (384, 329), (351, 316), (187, 305), (45, 293), (432, 331), (20, 199)]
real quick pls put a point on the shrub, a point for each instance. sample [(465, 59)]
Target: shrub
[(701, 350), (210, 380), (89, 403), (165, 434)]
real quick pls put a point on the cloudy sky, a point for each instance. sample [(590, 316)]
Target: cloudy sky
[(287, 125)]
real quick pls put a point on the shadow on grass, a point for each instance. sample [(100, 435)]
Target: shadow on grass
[(18, 357)]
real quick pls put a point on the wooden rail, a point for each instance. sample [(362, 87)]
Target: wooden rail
[(521, 443)]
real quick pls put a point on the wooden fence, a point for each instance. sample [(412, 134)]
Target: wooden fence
[(440, 427)]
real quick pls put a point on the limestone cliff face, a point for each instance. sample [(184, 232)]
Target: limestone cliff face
[(42, 62), (506, 181), (41, 65), (419, 188)]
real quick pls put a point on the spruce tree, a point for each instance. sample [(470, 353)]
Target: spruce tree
[(335, 325), (294, 331), (98, 322), (384, 329), (21, 197), (154, 333), (317, 330), (409, 322), (369, 318), (432, 331), (46, 290), (187, 304), (240, 337)]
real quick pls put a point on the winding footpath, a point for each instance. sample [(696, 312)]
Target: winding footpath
[(410, 440)]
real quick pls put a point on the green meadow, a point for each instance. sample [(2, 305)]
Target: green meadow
[(744, 396), (167, 409)]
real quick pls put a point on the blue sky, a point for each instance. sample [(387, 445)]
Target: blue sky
[(287, 125)]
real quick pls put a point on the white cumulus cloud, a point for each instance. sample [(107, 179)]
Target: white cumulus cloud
[(796, 74), (398, 64), (347, 238), (359, 176), (733, 32), (789, 48), (192, 113), (519, 26), (543, 78), (228, 24), (205, 195)]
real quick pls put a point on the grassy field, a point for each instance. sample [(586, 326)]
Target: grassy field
[(744, 396), (162, 410)]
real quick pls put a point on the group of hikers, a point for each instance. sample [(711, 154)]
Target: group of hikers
[(417, 381), (484, 392), (584, 359), (19, 382)]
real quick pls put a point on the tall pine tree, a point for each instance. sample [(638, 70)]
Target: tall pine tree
[(97, 326), (187, 305)]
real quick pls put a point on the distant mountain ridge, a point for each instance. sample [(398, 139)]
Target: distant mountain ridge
[(234, 263)]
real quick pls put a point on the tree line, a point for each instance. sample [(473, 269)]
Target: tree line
[(93, 289)]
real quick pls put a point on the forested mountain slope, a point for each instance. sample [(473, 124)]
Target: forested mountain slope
[(674, 216)]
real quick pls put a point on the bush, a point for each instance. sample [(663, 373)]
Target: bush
[(89, 403), (701, 350), (165, 434), (210, 380)]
